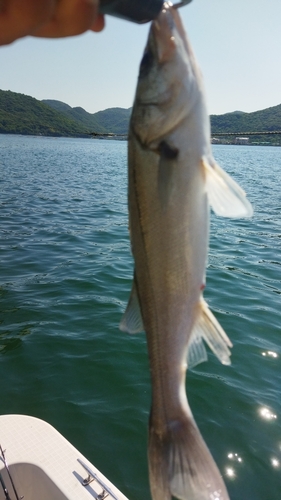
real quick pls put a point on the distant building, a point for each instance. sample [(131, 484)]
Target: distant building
[(242, 140), (215, 140)]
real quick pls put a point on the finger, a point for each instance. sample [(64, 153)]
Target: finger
[(98, 24), (19, 18), (71, 17)]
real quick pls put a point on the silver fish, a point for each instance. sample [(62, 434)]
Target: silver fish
[(173, 178)]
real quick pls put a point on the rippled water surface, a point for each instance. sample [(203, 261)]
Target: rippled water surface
[(65, 277)]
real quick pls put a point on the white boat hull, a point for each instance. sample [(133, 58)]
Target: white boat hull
[(44, 465)]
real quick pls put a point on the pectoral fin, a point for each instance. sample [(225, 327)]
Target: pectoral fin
[(208, 328), (225, 196), (132, 319)]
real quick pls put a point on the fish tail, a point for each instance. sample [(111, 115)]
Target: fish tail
[(181, 465)]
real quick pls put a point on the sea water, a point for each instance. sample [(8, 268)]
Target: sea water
[(65, 277)]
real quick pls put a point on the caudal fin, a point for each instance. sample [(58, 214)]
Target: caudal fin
[(181, 465)]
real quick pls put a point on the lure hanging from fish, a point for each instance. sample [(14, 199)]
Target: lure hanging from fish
[(173, 179)]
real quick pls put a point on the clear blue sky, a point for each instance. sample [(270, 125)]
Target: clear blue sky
[(237, 43)]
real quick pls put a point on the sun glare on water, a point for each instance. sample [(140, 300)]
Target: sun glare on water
[(266, 414), (272, 354), (230, 470)]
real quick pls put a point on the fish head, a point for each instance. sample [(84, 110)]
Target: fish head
[(168, 74)]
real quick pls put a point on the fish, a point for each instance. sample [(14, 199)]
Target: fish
[(173, 180)]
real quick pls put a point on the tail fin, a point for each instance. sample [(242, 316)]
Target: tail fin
[(181, 465)]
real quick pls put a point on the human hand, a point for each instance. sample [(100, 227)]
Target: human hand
[(47, 18)]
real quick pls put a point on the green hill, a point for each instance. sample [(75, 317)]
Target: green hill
[(265, 120), (78, 114), (115, 120), (22, 114), (111, 120), (57, 105)]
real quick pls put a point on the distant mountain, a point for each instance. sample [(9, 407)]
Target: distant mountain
[(237, 112), (21, 114), (78, 114), (115, 120), (266, 120), (111, 120), (57, 105)]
